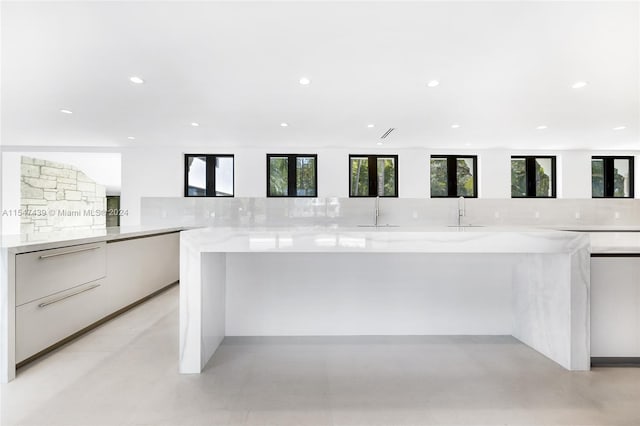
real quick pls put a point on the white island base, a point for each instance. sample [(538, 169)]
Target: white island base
[(249, 282)]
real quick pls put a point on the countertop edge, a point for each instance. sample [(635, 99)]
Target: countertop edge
[(20, 248), (131, 233)]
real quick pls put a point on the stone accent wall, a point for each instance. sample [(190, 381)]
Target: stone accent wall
[(57, 197)]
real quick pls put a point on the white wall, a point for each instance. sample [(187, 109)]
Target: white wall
[(159, 172), (163, 175), (494, 169), (10, 192)]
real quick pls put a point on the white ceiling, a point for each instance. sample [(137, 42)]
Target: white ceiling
[(505, 68)]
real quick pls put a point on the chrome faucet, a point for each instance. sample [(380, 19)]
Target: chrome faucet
[(377, 210), (461, 212)]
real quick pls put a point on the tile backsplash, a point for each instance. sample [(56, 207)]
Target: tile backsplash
[(239, 211)]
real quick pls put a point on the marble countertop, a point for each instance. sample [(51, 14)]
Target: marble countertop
[(610, 239), (604, 238), (34, 242), (615, 242), (597, 228), (385, 239)]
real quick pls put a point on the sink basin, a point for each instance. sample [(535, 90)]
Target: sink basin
[(378, 226), (466, 226)]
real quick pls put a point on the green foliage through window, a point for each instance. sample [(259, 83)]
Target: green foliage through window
[(386, 177), (359, 177), (532, 177), (305, 176), (292, 175), (439, 177), (453, 176), (543, 179), (373, 175), (612, 177), (278, 176)]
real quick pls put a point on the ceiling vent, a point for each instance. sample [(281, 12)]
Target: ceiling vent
[(387, 133)]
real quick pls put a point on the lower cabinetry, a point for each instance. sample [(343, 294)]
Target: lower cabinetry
[(46, 321), (615, 307), (127, 270), (139, 267)]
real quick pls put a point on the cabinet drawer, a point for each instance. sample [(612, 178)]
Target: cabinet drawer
[(42, 273), (44, 322)]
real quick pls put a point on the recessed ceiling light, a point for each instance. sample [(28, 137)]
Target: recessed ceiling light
[(433, 83), (579, 84), (130, 138), (455, 126), (284, 125), (304, 81), (66, 111), (136, 80), (194, 124), (619, 128), (371, 126), (543, 127)]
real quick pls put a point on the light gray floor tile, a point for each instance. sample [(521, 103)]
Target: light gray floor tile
[(125, 373)]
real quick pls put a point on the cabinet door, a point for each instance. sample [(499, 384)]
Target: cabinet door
[(44, 322), (139, 267), (615, 307), (42, 273)]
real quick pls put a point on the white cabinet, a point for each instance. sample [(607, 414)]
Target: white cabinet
[(46, 321), (57, 294), (141, 266), (64, 290), (615, 306), (45, 272)]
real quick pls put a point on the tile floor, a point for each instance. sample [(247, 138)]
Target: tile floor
[(125, 373)]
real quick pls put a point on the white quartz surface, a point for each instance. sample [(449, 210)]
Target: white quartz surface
[(609, 239), (33, 242), (598, 228), (604, 239), (615, 242), (386, 239)]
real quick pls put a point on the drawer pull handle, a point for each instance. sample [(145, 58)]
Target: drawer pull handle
[(51, 302), (62, 253)]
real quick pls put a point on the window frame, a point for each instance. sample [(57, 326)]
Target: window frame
[(452, 175), (210, 167), (530, 162), (607, 175), (373, 174), (292, 175)]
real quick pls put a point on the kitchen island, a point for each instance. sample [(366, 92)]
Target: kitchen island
[(532, 284), (56, 286)]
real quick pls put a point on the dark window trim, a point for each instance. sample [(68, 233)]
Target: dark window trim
[(373, 174), (608, 175), (530, 167), (291, 181), (452, 175), (210, 160)]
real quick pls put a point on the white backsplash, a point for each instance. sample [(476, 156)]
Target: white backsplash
[(180, 211)]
